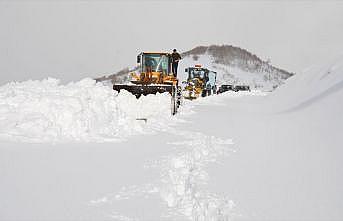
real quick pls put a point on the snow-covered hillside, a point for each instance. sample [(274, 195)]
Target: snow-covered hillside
[(232, 64), (236, 66), (233, 156), (313, 85)]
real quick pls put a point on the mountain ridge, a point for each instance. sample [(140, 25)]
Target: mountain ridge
[(225, 54)]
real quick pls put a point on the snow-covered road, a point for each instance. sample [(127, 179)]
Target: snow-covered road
[(161, 174), (182, 181), (235, 156)]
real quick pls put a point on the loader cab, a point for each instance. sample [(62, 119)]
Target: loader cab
[(209, 77), (196, 76), (200, 81), (154, 62), (197, 73)]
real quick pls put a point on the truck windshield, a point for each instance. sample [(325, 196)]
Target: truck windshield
[(156, 63), (196, 73)]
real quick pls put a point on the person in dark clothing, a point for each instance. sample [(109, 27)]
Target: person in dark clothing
[(175, 57), (149, 64)]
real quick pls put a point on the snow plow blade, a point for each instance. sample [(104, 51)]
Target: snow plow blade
[(139, 90)]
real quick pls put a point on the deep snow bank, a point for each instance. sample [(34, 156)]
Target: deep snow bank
[(311, 86), (289, 148), (45, 111)]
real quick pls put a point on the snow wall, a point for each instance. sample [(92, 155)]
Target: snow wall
[(45, 111)]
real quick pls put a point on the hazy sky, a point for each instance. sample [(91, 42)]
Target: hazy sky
[(72, 40)]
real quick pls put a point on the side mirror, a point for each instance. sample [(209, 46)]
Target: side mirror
[(186, 70), (138, 59)]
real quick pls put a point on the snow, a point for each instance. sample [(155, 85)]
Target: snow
[(45, 111), (316, 83), (77, 152)]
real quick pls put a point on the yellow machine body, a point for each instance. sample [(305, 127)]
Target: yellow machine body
[(153, 75), (153, 68), (194, 88), (200, 82)]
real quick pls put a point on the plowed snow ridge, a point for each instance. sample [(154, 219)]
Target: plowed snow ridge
[(45, 111)]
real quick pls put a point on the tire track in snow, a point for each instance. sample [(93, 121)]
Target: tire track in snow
[(183, 180)]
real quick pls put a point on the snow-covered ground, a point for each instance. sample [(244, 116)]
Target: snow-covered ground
[(77, 152)]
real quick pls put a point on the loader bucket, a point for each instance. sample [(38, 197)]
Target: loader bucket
[(139, 90)]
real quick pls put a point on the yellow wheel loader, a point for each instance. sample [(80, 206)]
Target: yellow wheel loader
[(153, 76), (200, 82)]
